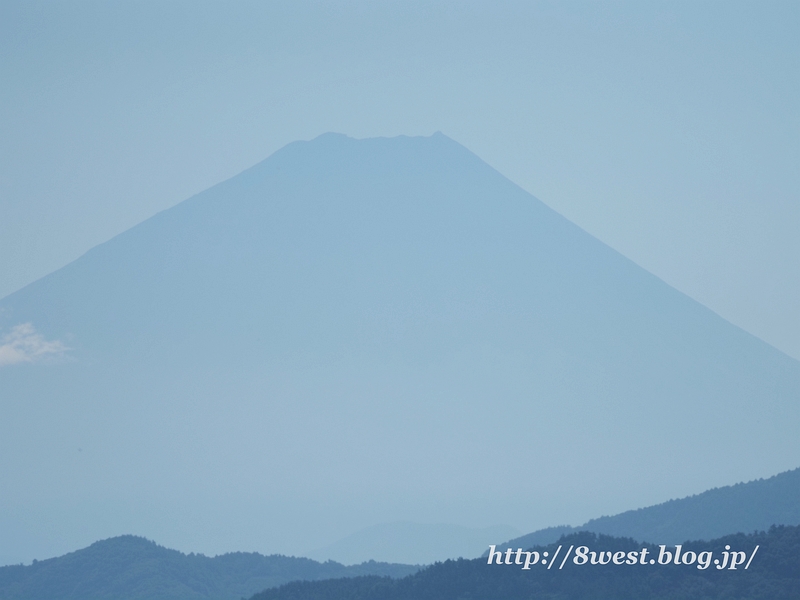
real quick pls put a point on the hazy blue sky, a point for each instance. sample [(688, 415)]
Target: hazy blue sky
[(669, 130)]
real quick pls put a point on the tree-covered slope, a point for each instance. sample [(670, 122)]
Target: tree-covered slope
[(751, 506), (773, 574), (133, 568)]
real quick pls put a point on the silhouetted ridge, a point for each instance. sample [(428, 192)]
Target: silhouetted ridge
[(739, 508), (773, 574), (133, 568)]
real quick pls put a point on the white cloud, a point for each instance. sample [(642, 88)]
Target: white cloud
[(24, 344)]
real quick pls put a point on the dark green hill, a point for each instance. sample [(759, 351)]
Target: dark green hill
[(774, 574), (752, 506), (133, 568)]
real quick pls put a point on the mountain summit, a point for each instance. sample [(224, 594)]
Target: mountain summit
[(362, 331)]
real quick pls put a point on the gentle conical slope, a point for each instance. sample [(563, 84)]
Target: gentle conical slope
[(360, 331)]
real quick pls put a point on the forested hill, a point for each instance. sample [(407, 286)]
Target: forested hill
[(774, 574), (133, 568), (751, 506)]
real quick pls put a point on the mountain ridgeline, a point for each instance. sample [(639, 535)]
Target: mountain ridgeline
[(355, 332), (590, 566), (744, 507), (133, 568)]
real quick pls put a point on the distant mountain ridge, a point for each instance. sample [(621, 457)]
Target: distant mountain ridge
[(739, 508), (773, 573), (133, 568), (401, 542)]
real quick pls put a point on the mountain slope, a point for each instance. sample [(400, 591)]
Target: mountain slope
[(740, 508), (363, 331), (772, 574), (132, 568)]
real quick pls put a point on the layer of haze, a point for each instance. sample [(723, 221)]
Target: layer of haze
[(668, 130)]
